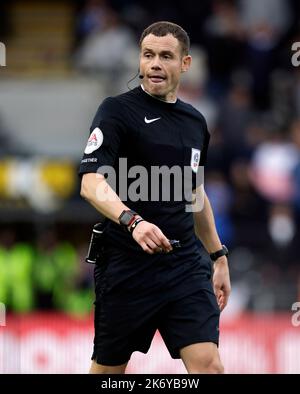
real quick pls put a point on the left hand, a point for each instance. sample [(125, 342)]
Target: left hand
[(221, 281)]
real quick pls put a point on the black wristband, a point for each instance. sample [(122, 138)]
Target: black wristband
[(135, 223), (219, 253)]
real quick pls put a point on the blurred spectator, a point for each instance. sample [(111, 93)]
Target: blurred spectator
[(281, 225), (271, 169), (105, 49), (282, 98), (249, 209), (225, 45), (275, 13), (235, 114), (265, 22), (192, 87), (56, 272), (295, 138), (296, 95), (220, 196), (91, 18), (16, 262)]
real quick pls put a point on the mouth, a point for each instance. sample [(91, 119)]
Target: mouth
[(156, 78)]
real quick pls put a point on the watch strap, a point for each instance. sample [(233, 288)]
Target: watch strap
[(129, 212), (219, 253)]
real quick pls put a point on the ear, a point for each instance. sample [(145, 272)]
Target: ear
[(186, 63)]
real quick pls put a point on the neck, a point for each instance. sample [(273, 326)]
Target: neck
[(172, 99)]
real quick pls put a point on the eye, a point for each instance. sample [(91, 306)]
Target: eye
[(166, 57), (147, 55)]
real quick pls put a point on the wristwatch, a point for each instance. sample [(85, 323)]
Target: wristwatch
[(127, 217), (222, 252)]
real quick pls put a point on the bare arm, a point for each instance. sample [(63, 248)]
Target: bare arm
[(101, 196), (206, 231)]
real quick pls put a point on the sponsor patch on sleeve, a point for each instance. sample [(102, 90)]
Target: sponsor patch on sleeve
[(195, 159), (94, 142)]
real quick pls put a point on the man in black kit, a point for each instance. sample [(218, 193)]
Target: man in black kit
[(143, 283)]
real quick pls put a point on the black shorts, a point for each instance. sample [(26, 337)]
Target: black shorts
[(136, 294)]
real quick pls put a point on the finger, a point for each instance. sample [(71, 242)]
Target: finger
[(219, 296), (225, 299), (152, 245), (225, 296), (146, 248), (222, 305), (166, 244), (163, 241), (155, 239), (220, 302)]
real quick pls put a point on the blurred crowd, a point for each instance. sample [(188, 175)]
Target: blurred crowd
[(44, 274), (243, 81)]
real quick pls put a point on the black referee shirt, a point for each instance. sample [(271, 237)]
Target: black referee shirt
[(136, 129)]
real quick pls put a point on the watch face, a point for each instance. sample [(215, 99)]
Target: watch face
[(225, 250), (126, 217)]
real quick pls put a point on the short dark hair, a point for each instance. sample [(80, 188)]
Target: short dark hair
[(161, 29)]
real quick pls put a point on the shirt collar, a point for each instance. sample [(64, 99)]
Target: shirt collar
[(168, 102)]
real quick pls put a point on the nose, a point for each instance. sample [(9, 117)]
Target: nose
[(155, 64)]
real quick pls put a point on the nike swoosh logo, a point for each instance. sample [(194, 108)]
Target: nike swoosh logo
[(150, 120)]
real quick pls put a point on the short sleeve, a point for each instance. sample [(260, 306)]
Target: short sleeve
[(206, 139), (106, 134)]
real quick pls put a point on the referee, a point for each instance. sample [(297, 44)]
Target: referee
[(145, 283)]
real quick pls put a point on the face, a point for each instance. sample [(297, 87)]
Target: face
[(161, 64)]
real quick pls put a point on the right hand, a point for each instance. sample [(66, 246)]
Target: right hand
[(151, 238)]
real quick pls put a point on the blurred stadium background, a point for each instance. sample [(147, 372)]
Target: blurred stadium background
[(63, 58)]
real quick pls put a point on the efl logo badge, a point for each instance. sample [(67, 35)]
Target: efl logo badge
[(95, 141), (2, 55), (195, 159)]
